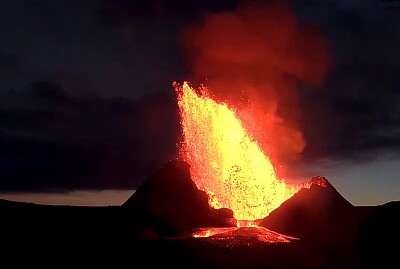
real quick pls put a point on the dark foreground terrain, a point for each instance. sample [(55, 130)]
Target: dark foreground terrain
[(40, 235), (153, 230)]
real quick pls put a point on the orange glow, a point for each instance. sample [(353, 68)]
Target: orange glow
[(224, 160), (262, 234)]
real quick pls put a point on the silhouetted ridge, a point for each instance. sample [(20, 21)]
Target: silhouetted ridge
[(169, 203), (380, 236), (333, 233), (319, 215)]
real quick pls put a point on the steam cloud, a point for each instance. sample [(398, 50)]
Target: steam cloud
[(254, 58)]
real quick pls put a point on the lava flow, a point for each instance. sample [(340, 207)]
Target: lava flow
[(224, 160)]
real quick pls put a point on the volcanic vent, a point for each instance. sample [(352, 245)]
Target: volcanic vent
[(223, 186), (225, 161)]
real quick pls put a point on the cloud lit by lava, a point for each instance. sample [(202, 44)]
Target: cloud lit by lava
[(255, 58)]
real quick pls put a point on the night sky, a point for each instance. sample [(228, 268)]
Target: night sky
[(87, 102)]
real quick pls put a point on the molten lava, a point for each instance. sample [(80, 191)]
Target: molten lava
[(224, 160), (231, 233)]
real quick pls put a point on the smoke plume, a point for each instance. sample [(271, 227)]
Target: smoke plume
[(254, 59)]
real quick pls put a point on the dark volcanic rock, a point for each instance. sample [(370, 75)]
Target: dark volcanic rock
[(380, 236), (320, 217), (169, 203)]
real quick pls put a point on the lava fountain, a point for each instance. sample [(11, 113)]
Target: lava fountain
[(224, 160)]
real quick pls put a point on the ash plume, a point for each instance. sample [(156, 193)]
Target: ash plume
[(254, 58)]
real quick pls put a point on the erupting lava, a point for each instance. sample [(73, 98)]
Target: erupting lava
[(224, 160)]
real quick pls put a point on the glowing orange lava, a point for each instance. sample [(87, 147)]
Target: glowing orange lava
[(224, 160)]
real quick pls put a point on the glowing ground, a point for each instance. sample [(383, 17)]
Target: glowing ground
[(241, 235)]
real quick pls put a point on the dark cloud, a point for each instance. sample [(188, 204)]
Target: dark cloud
[(125, 12), (73, 43), (355, 115), (86, 99), (101, 111), (50, 139), (9, 63)]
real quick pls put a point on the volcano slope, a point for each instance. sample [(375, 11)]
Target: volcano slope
[(321, 217), (153, 227)]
